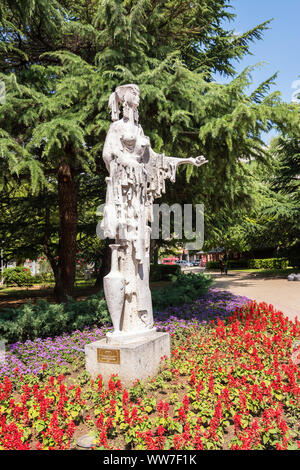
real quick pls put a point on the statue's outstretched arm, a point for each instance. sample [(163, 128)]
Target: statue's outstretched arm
[(158, 162), (175, 161)]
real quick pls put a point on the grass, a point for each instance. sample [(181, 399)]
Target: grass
[(79, 284), (19, 291)]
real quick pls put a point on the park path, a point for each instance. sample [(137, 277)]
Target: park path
[(284, 295)]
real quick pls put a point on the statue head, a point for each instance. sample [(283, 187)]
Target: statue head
[(129, 96)]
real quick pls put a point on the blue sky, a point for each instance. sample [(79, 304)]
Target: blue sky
[(280, 46)]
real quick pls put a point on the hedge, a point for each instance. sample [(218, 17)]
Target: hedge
[(269, 263)]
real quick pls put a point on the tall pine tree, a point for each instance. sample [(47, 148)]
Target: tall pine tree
[(60, 61)]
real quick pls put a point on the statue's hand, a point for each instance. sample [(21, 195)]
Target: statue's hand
[(200, 160)]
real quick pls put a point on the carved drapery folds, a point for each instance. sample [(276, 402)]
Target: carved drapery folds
[(136, 177)]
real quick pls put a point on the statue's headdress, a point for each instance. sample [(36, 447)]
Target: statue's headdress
[(118, 96)]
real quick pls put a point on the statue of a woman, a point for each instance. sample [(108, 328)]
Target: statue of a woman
[(136, 177)]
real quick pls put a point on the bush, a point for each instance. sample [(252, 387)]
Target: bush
[(268, 263), (18, 276), (185, 289), (163, 272), (45, 319), (43, 278)]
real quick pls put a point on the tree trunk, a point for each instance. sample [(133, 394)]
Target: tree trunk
[(47, 252), (67, 194), (105, 265)]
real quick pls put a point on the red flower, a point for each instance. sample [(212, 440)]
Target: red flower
[(125, 397)]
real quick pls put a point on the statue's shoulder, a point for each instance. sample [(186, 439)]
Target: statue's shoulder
[(117, 128), (114, 129), (116, 124)]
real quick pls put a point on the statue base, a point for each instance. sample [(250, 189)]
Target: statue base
[(135, 359), (126, 337)]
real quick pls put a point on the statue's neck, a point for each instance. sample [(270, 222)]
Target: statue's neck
[(131, 114)]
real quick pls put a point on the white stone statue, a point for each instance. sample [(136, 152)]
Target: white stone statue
[(136, 177)]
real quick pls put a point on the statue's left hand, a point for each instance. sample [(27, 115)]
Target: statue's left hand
[(200, 160)]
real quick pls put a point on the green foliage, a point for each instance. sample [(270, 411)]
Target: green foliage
[(18, 276), (186, 288), (46, 319), (286, 178), (272, 219), (285, 186), (163, 272), (269, 263), (63, 67), (43, 278)]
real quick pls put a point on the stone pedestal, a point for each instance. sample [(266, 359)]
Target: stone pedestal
[(130, 358)]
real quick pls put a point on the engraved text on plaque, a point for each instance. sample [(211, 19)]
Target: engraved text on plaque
[(110, 356)]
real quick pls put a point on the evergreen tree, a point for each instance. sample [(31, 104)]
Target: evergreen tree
[(285, 186), (60, 61), (271, 222)]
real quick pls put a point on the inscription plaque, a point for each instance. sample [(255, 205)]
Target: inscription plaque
[(110, 356)]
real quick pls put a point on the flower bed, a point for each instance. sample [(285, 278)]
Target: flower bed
[(229, 384), (61, 351)]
